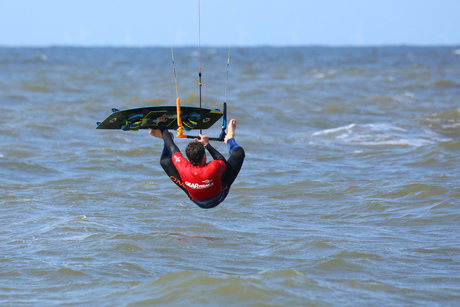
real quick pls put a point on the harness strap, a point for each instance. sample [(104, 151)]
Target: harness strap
[(213, 202)]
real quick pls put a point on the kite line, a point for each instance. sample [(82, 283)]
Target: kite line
[(180, 128), (179, 118)]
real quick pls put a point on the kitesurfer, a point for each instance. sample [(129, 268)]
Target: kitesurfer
[(206, 184)]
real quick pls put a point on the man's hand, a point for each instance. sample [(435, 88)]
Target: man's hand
[(156, 133), (204, 139)]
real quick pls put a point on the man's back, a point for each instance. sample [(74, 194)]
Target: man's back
[(203, 182)]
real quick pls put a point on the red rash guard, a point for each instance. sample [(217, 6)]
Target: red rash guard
[(202, 182)]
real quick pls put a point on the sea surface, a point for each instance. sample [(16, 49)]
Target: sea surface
[(349, 194)]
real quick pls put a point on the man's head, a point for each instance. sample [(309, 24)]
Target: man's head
[(195, 152)]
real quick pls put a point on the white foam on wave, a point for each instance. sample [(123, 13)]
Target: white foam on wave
[(383, 127), (400, 142), (405, 97), (452, 126), (334, 130), (379, 134)]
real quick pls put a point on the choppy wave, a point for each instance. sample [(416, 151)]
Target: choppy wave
[(380, 134)]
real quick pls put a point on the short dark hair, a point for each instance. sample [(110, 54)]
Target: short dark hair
[(195, 152)]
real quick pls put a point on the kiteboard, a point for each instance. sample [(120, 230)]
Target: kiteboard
[(145, 118)]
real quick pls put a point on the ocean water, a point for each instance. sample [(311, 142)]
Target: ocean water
[(349, 194)]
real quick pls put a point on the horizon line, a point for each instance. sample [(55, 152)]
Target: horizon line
[(236, 46)]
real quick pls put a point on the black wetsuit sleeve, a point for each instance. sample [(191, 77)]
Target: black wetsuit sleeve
[(169, 143), (214, 153)]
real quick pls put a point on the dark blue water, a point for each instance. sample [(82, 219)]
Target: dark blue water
[(349, 194)]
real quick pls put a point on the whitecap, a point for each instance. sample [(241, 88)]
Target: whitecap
[(379, 134), (387, 134), (319, 76), (407, 96), (401, 142), (334, 130), (452, 126), (77, 237), (384, 127)]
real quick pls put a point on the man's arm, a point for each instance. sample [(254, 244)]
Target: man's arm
[(215, 154), (204, 139), (167, 138)]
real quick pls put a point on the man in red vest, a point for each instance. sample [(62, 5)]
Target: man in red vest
[(206, 184)]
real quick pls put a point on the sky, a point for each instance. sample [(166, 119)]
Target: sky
[(223, 22)]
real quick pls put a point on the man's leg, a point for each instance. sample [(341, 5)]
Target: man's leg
[(236, 159), (167, 164), (170, 170)]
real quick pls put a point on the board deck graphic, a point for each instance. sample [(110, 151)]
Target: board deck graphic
[(145, 118)]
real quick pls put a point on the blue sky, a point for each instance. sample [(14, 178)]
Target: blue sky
[(252, 23)]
